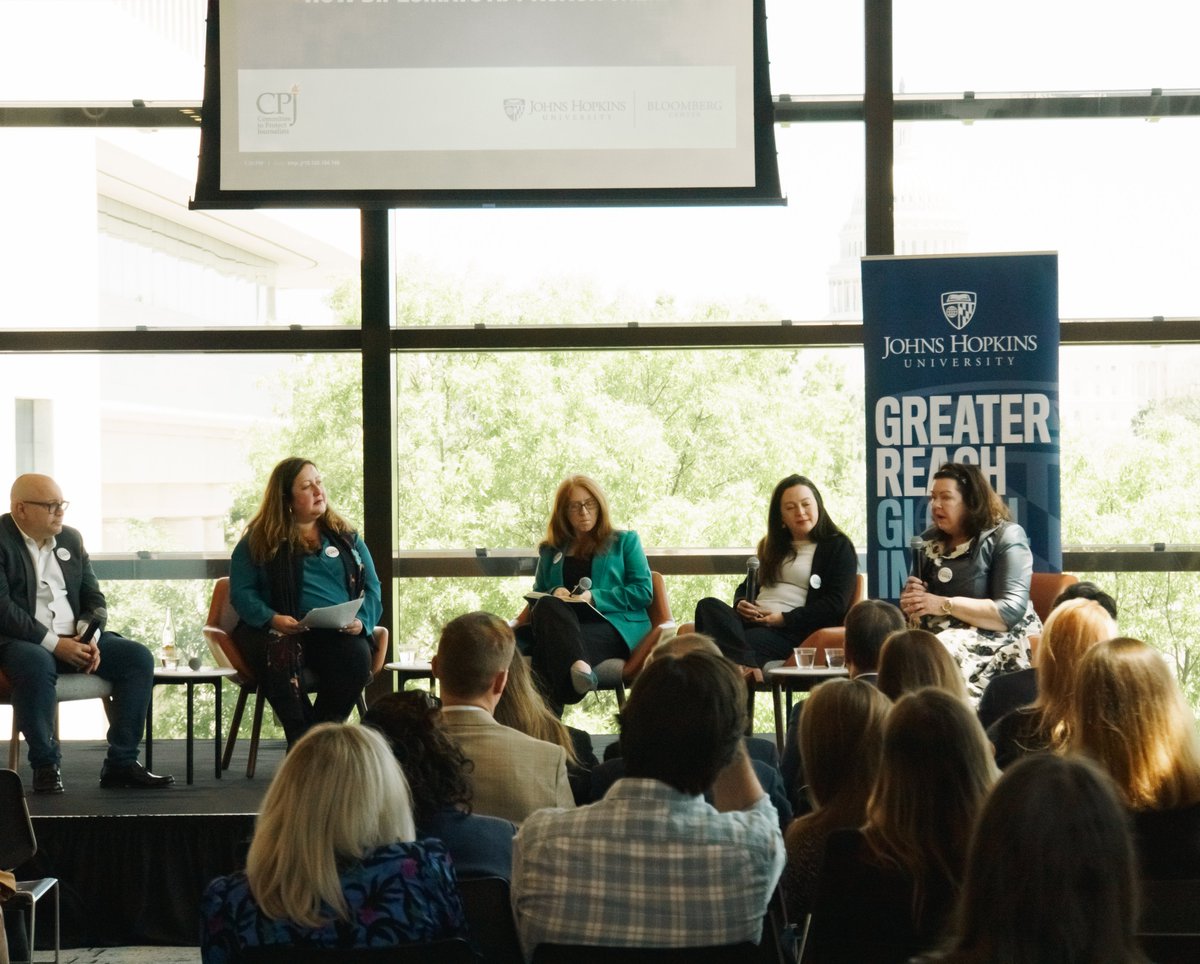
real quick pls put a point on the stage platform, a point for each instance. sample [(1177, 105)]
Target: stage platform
[(132, 863)]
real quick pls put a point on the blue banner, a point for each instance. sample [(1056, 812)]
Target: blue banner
[(961, 364)]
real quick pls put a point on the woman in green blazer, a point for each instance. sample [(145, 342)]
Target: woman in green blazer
[(571, 629)]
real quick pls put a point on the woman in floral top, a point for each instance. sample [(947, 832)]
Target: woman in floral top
[(974, 575), (334, 862)]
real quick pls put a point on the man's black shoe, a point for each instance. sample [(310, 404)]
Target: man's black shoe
[(132, 776), (47, 779)]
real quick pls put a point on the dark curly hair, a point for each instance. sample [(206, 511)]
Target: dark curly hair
[(433, 763)]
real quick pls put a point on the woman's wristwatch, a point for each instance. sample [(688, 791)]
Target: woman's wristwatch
[(948, 607)]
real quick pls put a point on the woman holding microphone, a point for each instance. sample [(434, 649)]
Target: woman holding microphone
[(578, 624), (973, 575), (806, 571)]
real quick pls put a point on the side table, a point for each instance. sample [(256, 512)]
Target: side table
[(413, 669), (795, 678), (190, 677)]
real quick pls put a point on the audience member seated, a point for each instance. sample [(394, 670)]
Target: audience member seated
[(334, 861), (764, 757), (841, 735), (1013, 690), (652, 864), (806, 572), (523, 707), (297, 554), (972, 586), (1070, 631), (1051, 874), (440, 785), (868, 624), (514, 774), (915, 658), (886, 892), (1131, 717)]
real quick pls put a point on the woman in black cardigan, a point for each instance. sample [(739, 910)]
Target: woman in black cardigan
[(807, 569)]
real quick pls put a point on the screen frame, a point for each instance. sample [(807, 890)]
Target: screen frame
[(209, 195)]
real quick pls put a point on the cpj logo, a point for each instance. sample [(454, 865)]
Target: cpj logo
[(277, 108)]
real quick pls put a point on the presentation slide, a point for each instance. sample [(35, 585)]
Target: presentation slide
[(477, 95)]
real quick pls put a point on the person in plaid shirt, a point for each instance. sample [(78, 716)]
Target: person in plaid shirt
[(653, 864)]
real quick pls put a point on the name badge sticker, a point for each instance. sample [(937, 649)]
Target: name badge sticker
[(815, 581), (63, 553), (944, 574), (332, 552), (557, 559)]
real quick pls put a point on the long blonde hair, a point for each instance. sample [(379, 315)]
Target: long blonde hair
[(1071, 630), (841, 739), (523, 708), (338, 795), (1131, 718), (936, 770), (272, 525), (560, 530)]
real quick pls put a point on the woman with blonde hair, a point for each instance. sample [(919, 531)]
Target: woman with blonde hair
[(906, 863), (297, 554), (841, 736), (523, 708), (1131, 717), (914, 658), (571, 628), (333, 862), (1070, 631)]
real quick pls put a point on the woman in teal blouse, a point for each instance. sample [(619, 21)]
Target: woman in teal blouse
[(296, 555), (565, 636)]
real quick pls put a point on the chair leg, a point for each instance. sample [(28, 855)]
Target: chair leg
[(260, 701), (234, 725), (14, 745)]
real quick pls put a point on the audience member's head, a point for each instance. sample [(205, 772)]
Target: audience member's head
[(1070, 631), (868, 624), (1051, 874), (1132, 719), (935, 771), (1087, 590), (914, 658), (684, 720), (338, 794), (473, 657), (683, 643), (841, 737), (523, 707), (436, 769)]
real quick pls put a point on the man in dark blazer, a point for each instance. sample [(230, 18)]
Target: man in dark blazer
[(48, 596)]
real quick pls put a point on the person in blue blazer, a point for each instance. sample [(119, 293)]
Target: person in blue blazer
[(571, 629)]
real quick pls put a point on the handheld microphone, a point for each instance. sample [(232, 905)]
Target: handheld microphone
[(752, 565), (87, 634), (917, 545), (584, 585)]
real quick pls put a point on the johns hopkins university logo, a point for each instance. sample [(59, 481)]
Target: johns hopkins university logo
[(514, 107), (959, 308)]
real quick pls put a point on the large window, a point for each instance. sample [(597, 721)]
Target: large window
[(158, 361)]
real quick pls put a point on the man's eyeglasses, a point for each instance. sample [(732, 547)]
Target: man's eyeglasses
[(54, 508), (579, 508)]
